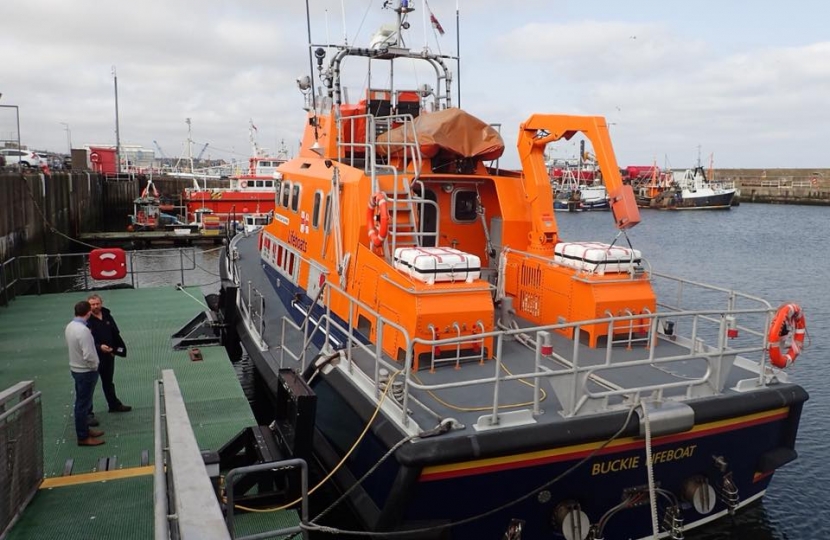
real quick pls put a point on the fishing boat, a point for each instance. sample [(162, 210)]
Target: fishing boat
[(251, 192), (582, 197), (150, 212), (577, 185), (457, 368), (254, 222), (685, 190)]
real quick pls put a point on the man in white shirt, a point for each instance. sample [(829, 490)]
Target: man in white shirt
[(83, 364)]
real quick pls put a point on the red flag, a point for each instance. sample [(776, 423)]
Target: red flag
[(436, 24)]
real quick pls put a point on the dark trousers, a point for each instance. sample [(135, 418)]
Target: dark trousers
[(106, 368), (84, 388)]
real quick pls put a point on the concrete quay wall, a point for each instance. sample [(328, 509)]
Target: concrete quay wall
[(779, 186)]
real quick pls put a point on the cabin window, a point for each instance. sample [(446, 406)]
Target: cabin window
[(295, 197), (277, 192), (464, 206), (286, 194), (315, 213), (364, 325), (269, 183), (327, 213), (279, 255)]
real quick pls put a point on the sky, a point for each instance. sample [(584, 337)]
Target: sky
[(744, 84)]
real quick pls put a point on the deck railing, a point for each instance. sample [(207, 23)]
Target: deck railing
[(581, 387), (70, 271), (21, 450)]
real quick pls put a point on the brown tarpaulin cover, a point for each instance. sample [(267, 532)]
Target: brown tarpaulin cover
[(452, 131)]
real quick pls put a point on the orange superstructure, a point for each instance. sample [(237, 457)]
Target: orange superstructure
[(428, 163)]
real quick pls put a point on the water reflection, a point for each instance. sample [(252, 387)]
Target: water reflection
[(750, 523), (245, 373)]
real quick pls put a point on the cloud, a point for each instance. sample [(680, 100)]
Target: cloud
[(590, 51), (666, 84)]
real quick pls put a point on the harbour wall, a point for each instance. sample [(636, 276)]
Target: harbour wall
[(779, 186), (40, 213)]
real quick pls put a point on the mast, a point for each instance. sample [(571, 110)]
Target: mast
[(189, 145), (458, 49), (117, 128)]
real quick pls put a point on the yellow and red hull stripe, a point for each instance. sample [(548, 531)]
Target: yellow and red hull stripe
[(579, 451)]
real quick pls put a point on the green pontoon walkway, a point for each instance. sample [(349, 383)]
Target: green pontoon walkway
[(117, 503)]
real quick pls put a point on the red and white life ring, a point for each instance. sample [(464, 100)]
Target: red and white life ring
[(379, 230), (786, 335), (243, 184)]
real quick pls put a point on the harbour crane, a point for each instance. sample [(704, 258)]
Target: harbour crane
[(202, 152), (161, 152)]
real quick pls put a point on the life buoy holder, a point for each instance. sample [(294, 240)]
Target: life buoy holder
[(377, 230), (786, 335)]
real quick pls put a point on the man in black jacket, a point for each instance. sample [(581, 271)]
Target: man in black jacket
[(109, 344)]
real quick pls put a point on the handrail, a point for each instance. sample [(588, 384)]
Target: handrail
[(160, 506), (21, 270), (288, 464), (196, 510)]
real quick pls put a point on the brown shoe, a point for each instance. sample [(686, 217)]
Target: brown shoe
[(90, 441), (95, 433), (121, 408)]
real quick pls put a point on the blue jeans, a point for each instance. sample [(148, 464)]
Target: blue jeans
[(85, 382)]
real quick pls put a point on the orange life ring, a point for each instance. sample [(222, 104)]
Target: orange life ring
[(379, 230), (788, 326)]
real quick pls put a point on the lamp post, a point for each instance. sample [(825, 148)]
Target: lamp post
[(68, 136)]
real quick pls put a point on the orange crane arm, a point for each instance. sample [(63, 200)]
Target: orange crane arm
[(534, 135)]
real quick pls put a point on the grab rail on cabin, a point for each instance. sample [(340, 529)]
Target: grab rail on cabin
[(360, 139)]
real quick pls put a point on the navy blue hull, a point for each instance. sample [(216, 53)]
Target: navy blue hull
[(529, 485)]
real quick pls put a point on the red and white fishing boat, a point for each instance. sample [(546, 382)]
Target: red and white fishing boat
[(251, 192)]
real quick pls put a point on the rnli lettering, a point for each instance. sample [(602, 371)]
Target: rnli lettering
[(628, 463), (297, 242)]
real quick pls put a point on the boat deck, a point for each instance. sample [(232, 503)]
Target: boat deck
[(117, 503), (675, 367)]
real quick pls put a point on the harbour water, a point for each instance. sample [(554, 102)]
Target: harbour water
[(773, 251)]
